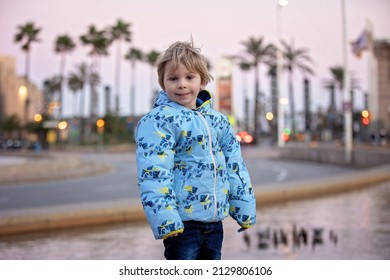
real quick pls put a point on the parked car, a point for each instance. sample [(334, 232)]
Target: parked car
[(12, 144), (244, 137)]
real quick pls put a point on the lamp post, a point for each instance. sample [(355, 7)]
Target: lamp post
[(347, 108), (281, 101)]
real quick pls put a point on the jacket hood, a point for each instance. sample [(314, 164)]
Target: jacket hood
[(204, 100)]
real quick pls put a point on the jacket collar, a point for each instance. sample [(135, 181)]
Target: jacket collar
[(203, 102)]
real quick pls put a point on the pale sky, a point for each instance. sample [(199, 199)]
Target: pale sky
[(217, 26)]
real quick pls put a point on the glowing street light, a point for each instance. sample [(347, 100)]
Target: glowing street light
[(269, 116), (100, 129), (62, 125), (283, 100), (23, 95), (38, 118), (283, 3), (365, 117), (100, 125)]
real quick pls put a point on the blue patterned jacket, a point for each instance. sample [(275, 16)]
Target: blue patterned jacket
[(190, 167)]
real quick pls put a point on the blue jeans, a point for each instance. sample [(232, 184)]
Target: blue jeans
[(199, 241)]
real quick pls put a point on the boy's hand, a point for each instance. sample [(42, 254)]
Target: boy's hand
[(173, 234)]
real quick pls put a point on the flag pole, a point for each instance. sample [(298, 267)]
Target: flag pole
[(347, 92), (373, 93), (280, 109)]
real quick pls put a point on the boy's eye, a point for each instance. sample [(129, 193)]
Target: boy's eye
[(172, 78), (190, 77)]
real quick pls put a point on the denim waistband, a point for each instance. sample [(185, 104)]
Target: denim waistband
[(199, 223)]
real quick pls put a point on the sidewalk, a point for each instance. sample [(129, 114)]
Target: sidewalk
[(50, 218), (45, 166)]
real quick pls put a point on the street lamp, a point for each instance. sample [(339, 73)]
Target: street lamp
[(281, 142)]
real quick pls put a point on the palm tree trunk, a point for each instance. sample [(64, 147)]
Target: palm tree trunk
[(93, 91), (332, 106), (94, 103), (246, 104), (306, 86), (332, 111), (117, 76), (246, 114), (27, 99), (74, 109), (132, 89), (62, 72), (82, 101), (274, 107), (27, 66), (292, 104), (257, 122)]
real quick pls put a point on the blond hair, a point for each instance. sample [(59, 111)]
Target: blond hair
[(184, 53)]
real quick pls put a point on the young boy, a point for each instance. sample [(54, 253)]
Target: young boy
[(190, 171)]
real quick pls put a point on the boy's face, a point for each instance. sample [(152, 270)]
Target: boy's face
[(182, 85)]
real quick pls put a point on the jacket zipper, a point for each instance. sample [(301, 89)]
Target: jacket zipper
[(213, 159)]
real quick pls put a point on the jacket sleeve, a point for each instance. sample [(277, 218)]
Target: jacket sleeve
[(154, 153), (241, 199)]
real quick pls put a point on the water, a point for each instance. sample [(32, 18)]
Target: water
[(353, 225)]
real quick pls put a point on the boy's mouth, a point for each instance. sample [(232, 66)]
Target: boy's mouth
[(182, 94)]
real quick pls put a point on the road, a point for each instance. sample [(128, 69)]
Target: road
[(121, 183)]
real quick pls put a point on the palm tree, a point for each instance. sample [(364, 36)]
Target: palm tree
[(329, 84), (151, 59), (63, 45), (295, 59), (332, 112), (75, 84), (94, 81), (78, 80), (133, 55), (50, 87), (258, 52), (99, 42), (26, 35), (119, 32), (337, 73), (336, 81)]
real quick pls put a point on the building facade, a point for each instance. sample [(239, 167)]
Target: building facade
[(382, 55), (18, 97)]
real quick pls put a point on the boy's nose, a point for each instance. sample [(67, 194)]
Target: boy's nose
[(182, 83)]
